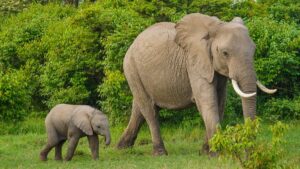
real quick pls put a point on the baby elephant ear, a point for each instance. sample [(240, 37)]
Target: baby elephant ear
[(81, 120), (238, 20)]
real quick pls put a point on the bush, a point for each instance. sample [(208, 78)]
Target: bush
[(72, 64), (242, 143), (20, 47), (25, 28), (277, 63), (15, 95), (118, 101), (276, 109)]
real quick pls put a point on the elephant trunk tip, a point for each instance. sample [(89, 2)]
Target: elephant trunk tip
[(107, 140)]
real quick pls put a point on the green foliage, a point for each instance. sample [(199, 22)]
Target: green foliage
[(275, 109), (21, 30), (285, 11), (242, 143), (71, 58), (15, 95), (277, 45), (22, 54), (118, 101)]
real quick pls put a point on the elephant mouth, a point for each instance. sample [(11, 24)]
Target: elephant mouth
[(247, 95)]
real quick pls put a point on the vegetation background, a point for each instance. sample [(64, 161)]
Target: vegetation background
[(54, 52)]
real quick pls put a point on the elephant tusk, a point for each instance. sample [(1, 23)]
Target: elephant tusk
[(239, 91), (264, 89)]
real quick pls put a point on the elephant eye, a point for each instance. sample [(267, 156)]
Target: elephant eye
[(225, 53)]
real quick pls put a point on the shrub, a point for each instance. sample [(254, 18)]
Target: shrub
[(15, 95), (72, 64), (25, 28), (276, 109), (242, 143), (285, 12), (20, 47), (118, 100)]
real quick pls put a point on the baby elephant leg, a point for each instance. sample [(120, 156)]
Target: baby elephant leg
[(52, 142), (73, 141), (94, 146), (45, 151), (58, 147)]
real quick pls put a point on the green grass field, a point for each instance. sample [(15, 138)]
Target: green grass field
[(183, 144)]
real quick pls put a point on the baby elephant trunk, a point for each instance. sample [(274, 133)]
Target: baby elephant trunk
[(107, 138)]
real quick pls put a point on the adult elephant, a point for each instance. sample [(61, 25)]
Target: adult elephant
[(176, 65)]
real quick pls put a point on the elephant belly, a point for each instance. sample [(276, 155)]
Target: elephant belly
[(169, 97)]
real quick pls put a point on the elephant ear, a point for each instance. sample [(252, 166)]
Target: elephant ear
[(238, 20), (81, 119), (194, 33)]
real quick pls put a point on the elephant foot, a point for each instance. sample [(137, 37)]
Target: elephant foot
[(125, 142), (58, 158), (95, 157), (206, 150), (68, 158), (43, 157), (159, 152)]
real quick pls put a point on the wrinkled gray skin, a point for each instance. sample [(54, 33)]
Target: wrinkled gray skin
[(71, 122), (176, 65)]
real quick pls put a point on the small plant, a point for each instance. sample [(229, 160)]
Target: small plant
[(242, 143)]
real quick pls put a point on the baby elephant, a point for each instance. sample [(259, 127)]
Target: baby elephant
[(72, 122)]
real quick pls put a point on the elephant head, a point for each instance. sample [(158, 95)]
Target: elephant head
[(91, 121), (100, 125), (224, 47)]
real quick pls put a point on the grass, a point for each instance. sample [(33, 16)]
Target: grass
[(182, 144)]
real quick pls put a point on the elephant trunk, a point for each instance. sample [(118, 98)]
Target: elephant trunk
[(107, 138), (248, 85)]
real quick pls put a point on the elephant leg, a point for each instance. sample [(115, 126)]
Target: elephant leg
[(94, 146), (206, 99), (221, 90), (211, 119), (51, 142), (45, 151), (150, 114), (58, 147), (130, 134), (73, 141), (142, 105)]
